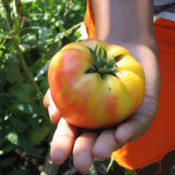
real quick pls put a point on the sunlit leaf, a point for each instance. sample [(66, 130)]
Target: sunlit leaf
[(36, 136), (27, 1), (43, 33), (13, 138)]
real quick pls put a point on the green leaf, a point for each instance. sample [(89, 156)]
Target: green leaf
[(33, 122), (99, 54), (44, 85), (28, 1), (15, 110), (25, 47), (8, 148), (4, 99), (7, 162), (29, 148), (51, 4), (13, 138), (13, 71), (18, 124), (22, 91), (43, 34), (128, 172), (1, 152), (93, 55), (30, 108), (77, 34), (105, 54), (36, 136), (1, 52), (19, 172), (14, 8), (38, 65), (2, 139), (23, 107), (3, 75), (61, 28), (29, 37)]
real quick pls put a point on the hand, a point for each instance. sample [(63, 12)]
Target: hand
[(87, 144)]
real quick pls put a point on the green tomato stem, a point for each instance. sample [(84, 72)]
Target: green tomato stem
[(100, 62)]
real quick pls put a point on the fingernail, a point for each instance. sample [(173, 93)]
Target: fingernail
[(58, 156)]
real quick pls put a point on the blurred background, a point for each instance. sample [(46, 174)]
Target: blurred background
[(31, 32)]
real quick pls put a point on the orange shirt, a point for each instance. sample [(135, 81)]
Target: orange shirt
[(160, 138)]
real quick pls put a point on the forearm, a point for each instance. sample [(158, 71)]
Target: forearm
[(124, 21)]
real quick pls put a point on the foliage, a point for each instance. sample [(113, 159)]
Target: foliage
[(127, 172), (31, 32)]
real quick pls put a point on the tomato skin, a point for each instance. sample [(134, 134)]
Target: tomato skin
[(90, 99)]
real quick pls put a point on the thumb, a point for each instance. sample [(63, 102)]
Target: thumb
[(52, 109)]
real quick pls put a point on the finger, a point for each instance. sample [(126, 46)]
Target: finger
[(138, 124), (46, 99), (105, 145), (132, 129), (63, 141), (54, 114), (52, 109), (82, 152)]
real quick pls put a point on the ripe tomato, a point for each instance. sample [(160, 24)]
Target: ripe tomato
[(95, 85)]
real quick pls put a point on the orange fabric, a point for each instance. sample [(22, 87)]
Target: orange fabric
[(89, 20), (160, 138)]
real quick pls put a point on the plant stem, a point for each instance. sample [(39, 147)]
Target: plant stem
[(60, 36), (92, 170), (25, 67), (110, 165), (30, 76)]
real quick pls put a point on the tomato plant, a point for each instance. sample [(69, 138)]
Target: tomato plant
[(31, 31), (95, 85)]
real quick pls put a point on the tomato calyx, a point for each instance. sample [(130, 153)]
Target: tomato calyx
[(100, 63)]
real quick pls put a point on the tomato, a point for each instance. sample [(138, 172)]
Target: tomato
[(95, 85)]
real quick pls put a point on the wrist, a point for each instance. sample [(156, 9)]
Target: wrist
[(149, 44)]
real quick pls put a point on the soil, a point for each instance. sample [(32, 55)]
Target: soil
[(23, 164)]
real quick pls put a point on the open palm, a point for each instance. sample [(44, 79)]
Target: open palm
[(89, 144)]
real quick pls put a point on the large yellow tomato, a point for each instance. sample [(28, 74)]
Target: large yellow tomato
[(95, 85)]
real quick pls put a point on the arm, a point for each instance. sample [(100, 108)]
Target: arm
[(129, 24), (124, 21)]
